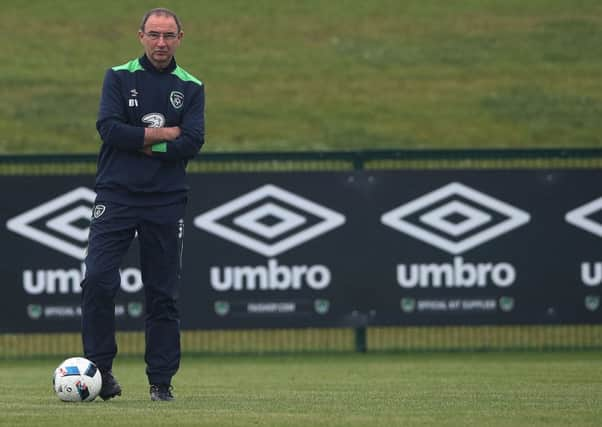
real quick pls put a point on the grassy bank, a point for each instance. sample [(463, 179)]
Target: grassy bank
[(290, 75)]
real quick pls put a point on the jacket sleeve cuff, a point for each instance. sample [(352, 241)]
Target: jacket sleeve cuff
[(159, 148)]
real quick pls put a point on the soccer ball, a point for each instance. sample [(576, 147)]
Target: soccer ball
[(77, 380)]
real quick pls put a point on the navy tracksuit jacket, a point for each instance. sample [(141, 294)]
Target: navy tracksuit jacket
[(141, 194)]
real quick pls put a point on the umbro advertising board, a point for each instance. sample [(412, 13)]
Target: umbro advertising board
[(304, 249)]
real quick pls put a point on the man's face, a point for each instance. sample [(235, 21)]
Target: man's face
[(160, 39)]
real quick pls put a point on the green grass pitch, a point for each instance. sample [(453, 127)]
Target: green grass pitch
[(442, 389)]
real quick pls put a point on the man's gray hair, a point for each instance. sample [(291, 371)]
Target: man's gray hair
[(160, 11)]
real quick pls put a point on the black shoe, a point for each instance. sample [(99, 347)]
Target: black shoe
[(161, 392), (110, 387)]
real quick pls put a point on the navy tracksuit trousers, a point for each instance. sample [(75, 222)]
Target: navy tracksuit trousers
[(160, 232)]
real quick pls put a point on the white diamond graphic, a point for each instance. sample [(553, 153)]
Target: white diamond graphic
[(251, 220), (21, 223), (63, 223), (474, 218), (209, 220), (579, 217), (515, 218)]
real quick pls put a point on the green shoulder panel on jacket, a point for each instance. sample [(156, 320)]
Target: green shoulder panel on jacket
[(133, 65), (185, 76)]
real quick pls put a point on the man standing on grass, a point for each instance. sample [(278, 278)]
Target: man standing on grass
[(151, 122)]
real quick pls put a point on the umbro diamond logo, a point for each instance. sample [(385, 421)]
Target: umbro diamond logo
[(582, 217), (61, 223), (455, 218), (269, 220)]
